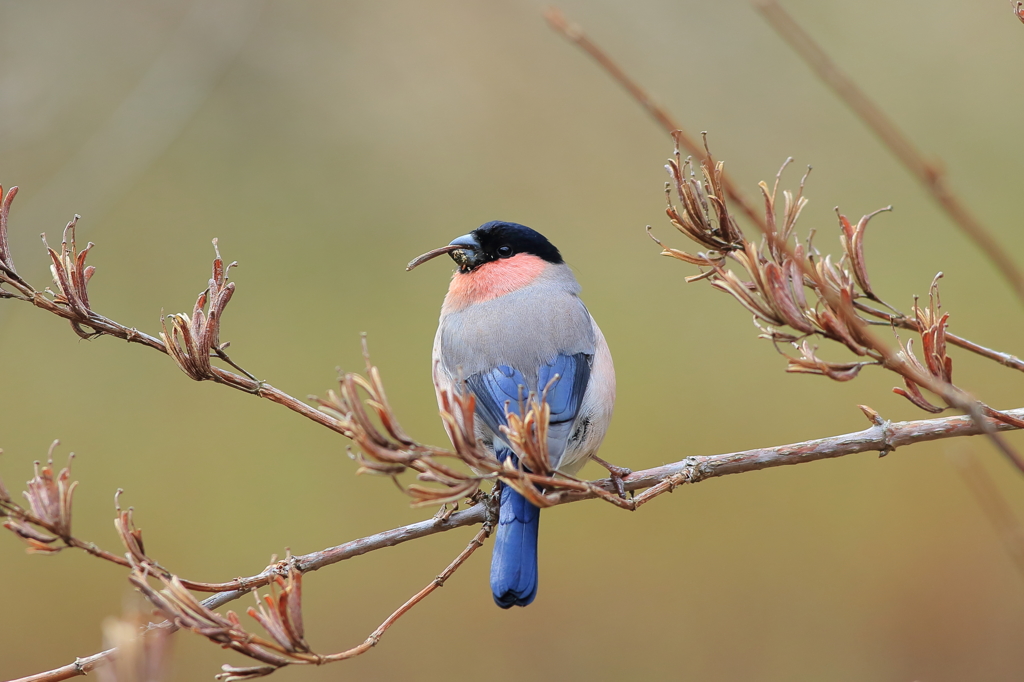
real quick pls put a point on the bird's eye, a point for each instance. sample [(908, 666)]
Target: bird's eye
[(504, 251)]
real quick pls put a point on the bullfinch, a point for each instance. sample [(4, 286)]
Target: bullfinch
[(511, 323)]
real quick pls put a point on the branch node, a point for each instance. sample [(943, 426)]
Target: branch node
[(878, 421)]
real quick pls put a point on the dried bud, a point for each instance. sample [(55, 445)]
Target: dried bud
[(388, 450), (71, 277), (178, 605), (390, 445), (528, 434), (191, 339), (933, 326), (458, 415), (937, 363), (131, 537), (282, 617), (49, 499), (713, 228)]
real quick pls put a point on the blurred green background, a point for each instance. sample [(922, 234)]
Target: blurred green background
[(326, 144)]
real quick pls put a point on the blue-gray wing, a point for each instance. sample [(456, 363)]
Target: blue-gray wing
[(507, 386)]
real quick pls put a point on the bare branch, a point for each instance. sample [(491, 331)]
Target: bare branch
[(883, 437), (904, 322)]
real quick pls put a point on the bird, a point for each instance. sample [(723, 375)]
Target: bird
[(512, 324)]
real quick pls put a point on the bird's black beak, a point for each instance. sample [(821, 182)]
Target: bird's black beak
[(465, 251), (468, 254)]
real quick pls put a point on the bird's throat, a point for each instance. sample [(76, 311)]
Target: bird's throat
[(492, 280)]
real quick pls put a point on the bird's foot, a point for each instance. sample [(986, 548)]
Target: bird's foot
[(617, 474)]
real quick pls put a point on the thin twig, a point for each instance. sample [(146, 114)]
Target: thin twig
[(108, 327), (575, 34), (882, 437), (439, 581), (904, 322), (930, 174)]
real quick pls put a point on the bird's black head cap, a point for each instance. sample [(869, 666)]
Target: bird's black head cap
[(493, 241), (499, 239)]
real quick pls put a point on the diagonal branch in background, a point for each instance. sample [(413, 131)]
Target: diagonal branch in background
[(883, 437), (993, 504), (929, 174), (574, 33)]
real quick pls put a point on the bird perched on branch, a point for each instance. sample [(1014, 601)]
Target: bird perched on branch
[(512, 324)]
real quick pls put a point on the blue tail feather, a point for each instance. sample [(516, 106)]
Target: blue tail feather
[(514, 559)]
